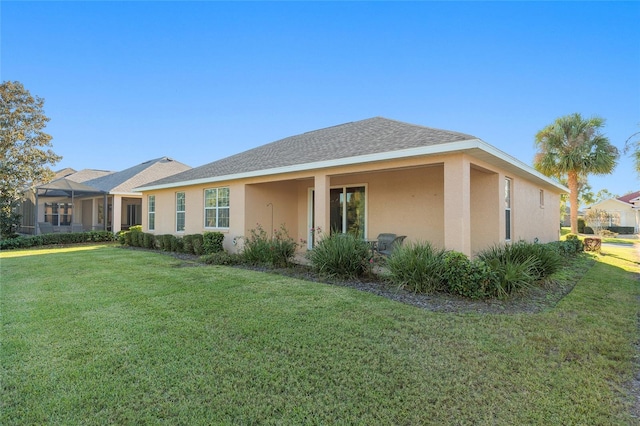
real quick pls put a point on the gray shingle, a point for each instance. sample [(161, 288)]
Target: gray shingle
[(125, 180), (370, 136)]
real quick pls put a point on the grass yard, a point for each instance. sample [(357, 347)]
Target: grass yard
[(98, 334)]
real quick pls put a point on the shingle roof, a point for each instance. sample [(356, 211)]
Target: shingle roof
[(86, 174), (627, 198), (370, 136), (125, 180)]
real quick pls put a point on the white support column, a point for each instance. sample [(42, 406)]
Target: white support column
[(94, 213), (117, 214), (457, 204)]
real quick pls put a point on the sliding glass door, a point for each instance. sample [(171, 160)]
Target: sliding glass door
[(346, 212)]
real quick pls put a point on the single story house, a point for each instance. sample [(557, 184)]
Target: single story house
[(620, 211), (365, 177), (76, 200)]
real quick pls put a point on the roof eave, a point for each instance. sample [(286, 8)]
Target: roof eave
[(459, 146)]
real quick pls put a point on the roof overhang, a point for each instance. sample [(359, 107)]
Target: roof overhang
[(474, 147)]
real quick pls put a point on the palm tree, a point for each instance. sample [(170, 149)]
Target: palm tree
[(574, 148)]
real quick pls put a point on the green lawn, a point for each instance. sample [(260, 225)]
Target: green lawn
[(98, 334)]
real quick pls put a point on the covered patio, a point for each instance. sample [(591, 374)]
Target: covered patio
[(61, 211)]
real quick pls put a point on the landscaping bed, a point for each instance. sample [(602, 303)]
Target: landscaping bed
[(533, 300)]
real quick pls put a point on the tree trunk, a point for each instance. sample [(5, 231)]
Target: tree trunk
[(572, 183)]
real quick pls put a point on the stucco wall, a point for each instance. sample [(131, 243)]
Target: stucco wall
[(487, 198), (532, 220), (406, 197)]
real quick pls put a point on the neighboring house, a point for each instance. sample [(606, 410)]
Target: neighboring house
[(621, 211), (367, 177), (80, 197)]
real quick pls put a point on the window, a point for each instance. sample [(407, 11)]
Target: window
[(180, 211), (507, 208), (58, 214), (542, 198), (152, 212), (347, 210), (216, 208)]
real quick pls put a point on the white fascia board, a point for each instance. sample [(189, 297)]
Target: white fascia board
[(368, 158), (126, 194)]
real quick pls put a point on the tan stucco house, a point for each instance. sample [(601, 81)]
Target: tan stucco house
[(75, 200), (366, 177)]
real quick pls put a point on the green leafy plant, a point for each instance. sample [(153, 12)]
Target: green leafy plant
[(187, 241), (516, 267), (198, 244), (276, 251), (212, 242), (467, 278), (418, 267), (340, 255)]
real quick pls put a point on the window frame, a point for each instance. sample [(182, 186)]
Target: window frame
[(58, 211), (508, 213), (151, 212), (181, 213), (217, 208)]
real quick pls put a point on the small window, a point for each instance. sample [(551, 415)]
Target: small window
[(152, 212), (507, 208), (216, 208), (180, 211), (542, 198)]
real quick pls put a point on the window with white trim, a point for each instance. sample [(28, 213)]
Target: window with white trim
[(152, 212), (542, 198), (216, 208), (507, 208), (58, 214), (180, 211)]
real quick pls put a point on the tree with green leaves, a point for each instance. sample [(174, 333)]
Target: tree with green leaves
[(24, 153), (632, 145), (574, 147)]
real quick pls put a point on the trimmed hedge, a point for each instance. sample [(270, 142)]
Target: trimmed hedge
[(52, 239), (212, 242), (625, 230)]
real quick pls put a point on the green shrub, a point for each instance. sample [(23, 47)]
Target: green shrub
[(581, 225), (149, 241), (276, 251), (340, 255), (625, 230), (418, 267), (588, 230), (168, 242), (574, 243), (177, 245), (222, 258), (187, 241), (50, 239), (463, 277), (198, 244), (516, 265), (547, 260), (126, 236), (212, 242)]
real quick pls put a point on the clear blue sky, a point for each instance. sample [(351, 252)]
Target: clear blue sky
[(125, 82)]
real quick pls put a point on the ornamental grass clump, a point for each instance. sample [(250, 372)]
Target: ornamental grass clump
[(340, 256), (417, 267), (517, 268)]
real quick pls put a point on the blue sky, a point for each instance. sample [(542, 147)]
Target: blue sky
[(125, 82)]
